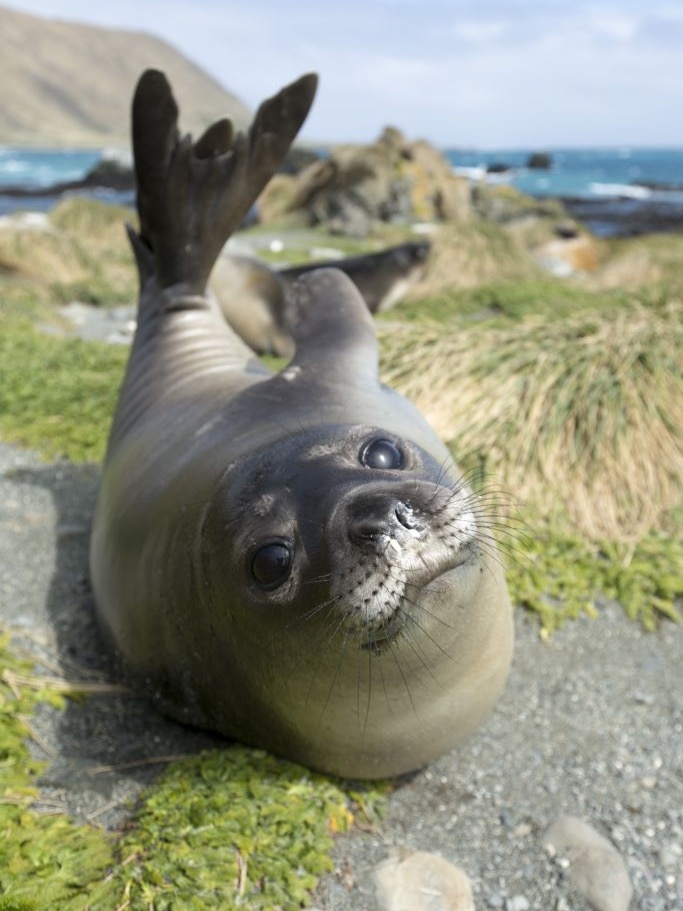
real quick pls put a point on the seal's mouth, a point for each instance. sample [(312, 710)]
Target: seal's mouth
[(382, 637)]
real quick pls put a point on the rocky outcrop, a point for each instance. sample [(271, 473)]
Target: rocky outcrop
[(391, 181)]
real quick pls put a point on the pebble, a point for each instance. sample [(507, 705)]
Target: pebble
[(671, 856), (418, 881), (517, 903), (593, 866)]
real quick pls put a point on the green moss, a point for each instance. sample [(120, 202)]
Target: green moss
[(559, 576), (227, 829), (235, 828), (57, 396), (511, 300), (45, 861)]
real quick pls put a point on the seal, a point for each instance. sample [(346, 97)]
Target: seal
[(255, 298), (382, 278), (290, 559)]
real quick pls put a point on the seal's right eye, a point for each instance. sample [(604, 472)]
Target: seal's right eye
[(382, 454), (271, 564)]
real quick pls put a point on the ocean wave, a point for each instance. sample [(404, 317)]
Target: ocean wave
[(620, 190)]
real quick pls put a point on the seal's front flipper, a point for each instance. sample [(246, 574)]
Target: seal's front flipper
[(192, 196), (332, 327)]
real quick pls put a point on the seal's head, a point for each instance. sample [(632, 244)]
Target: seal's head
[(349, 559)]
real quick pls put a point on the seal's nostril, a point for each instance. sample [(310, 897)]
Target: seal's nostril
[(405, 515)]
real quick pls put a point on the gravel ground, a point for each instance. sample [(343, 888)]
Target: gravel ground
[(591, 724)]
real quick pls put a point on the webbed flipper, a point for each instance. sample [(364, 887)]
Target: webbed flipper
[(191, 196)]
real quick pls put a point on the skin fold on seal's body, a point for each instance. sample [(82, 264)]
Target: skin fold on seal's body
[(290, 559)]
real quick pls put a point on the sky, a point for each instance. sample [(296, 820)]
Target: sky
[(460, 73)]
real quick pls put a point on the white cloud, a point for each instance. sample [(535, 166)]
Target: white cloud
[(618, 28), (478, 32)]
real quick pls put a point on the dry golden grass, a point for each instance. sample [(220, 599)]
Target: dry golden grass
[(28, 252), (79, 253), (639, 263), (585, 413), (471, 253)]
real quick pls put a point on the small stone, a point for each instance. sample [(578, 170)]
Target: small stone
[(418, 881), (596, 869), (517, 903), (495, 900), (671, 856)]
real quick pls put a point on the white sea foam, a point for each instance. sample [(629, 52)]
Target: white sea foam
[(622, 190), (472, 173)]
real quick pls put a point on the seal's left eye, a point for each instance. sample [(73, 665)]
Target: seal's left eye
[(381, 454), (270, 565)]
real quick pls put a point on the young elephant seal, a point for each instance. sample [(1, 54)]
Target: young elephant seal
[(291, 559)]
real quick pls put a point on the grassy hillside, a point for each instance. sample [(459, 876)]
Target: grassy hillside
[(70, 85)]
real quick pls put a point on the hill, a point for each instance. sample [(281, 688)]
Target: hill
[(70, 85)]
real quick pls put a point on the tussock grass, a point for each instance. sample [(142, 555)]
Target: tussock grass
[(508, 299), (82, 253), (28, 252), (471, 253), (640, 263), (582, 416)]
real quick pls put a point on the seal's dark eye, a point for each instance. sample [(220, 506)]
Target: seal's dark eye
[(382, 454), (270, 565)]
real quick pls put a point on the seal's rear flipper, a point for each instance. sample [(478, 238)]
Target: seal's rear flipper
[(192, 196)]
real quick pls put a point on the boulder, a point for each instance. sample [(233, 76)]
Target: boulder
[(391, 181), (539, 161)]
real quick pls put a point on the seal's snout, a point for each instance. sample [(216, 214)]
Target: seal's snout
[(372, 522)]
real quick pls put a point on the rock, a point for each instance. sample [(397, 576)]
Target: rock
[(498, 167), (517, 903), (355, 187), (593, 865), (539, 161), (418, 881), (504, 205)]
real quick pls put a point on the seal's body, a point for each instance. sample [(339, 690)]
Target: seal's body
[(290, 559)]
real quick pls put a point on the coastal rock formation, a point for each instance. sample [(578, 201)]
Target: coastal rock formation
[(539, 161), (504, 205), (392, 180)]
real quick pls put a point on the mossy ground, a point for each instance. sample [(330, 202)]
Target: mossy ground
[(233, 828), (247, 830)]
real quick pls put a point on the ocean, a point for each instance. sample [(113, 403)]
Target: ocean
[(614, 191)]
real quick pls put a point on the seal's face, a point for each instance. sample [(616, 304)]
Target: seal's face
[(342, 529), (339, 569)]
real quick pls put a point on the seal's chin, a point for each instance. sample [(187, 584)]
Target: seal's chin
[(382, 635)]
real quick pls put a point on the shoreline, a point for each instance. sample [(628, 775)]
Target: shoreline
[(604, 217)]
